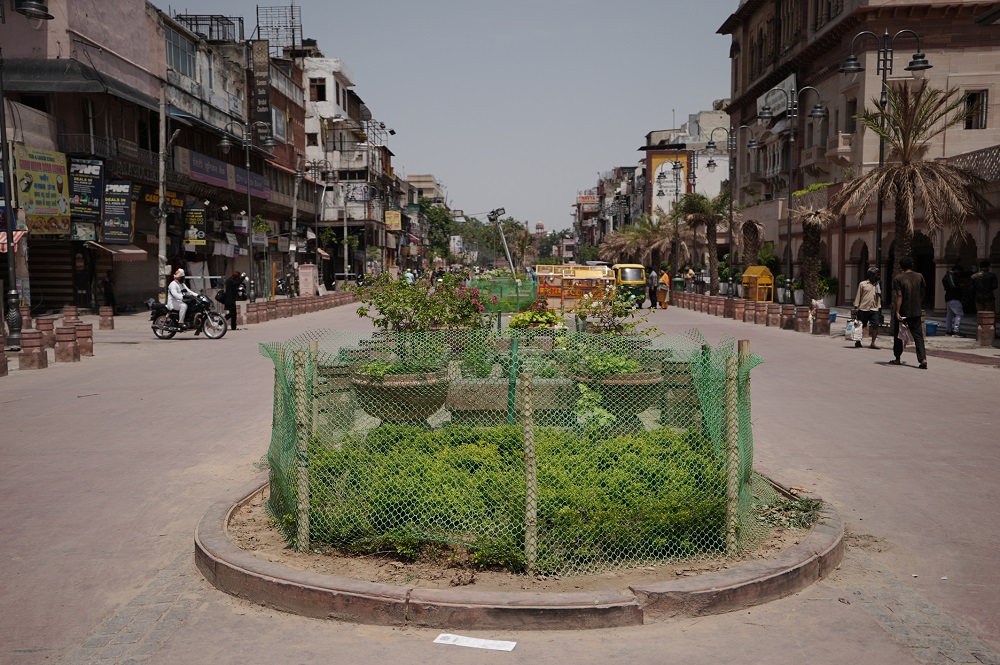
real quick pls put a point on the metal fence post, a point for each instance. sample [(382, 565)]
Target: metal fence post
[(732, 453), (530, 480), (302, 402)]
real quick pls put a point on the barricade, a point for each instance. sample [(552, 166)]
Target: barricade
[(986, 328), (67, 349), (107, 318), (821, 322), (46, 326), (33, 354), (85, 338)]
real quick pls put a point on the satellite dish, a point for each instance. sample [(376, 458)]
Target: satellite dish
[(156, 213)]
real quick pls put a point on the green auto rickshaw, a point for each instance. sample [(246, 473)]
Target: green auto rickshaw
[(631, 281)]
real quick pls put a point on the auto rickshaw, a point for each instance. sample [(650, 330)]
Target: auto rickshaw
[(631, 280)]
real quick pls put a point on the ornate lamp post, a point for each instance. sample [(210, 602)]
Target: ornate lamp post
[(34, 11), (246, 138), (792, 113), (918, 65), (661, 180)]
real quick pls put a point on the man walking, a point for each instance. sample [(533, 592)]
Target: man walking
[(984, 286), (908, 291), (952, 300), (651, 283)]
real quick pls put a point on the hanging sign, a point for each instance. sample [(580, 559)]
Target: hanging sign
[(118, 209), (194, 223), (393, 220)]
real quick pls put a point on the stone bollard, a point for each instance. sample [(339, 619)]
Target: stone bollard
[(986, 328), (750, 312), (33, 354), (252, 313), (802, 319), (720, 306), (85, 338), (3, 357), (773, 316), (788, 317), (821, 322), (107, 320), (760, 313), (262, 312), (272, 310), (729, 308), (25, 316), (46, 326), (739, 309), (71, 314), (67, 350)]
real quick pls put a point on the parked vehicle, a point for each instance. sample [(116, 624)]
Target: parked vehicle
[(631, 279), (201, 318)]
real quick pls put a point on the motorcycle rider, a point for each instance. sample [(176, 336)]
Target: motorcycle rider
[(175, 297)]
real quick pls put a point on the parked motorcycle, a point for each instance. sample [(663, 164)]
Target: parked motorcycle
[(201, 318)]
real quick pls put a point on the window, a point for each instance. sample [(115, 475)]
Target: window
[(851, 120), (180, 53), (312, 139), (317, 90), (975, 109), (278, 124)]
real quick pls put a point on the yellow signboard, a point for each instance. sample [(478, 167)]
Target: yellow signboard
[(393, 221), (42, 191)]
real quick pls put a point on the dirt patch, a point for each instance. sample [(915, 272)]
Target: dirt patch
[(251, 529)]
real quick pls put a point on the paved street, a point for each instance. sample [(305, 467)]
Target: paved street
[(109, 464)]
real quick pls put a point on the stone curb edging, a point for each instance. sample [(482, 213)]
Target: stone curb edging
[(239, 573)]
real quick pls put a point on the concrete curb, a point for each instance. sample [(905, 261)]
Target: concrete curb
[(240, 574)]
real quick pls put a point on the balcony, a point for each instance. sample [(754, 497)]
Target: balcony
[(840, 148), (87, 145), (813, 155)]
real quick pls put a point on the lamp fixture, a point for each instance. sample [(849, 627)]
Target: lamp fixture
[(226, 145), (224, 208), (33, 10)]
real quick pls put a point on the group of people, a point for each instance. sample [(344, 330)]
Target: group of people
[(909, 289), (658, 286)]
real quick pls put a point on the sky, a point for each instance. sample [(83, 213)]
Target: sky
[(519, 104)]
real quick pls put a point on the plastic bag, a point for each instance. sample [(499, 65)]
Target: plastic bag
[(849, 330), (904, 334), (858, 332)]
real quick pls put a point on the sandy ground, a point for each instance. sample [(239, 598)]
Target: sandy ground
[(252, 530)]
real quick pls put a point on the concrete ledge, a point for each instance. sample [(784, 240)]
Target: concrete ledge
[(240, 574)]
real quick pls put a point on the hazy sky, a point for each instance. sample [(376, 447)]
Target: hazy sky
[(516, 103)]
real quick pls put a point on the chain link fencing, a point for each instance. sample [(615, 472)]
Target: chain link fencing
[(504, 294), (547, 453)]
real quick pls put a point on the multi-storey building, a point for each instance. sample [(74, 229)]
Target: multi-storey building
[(799, 48)]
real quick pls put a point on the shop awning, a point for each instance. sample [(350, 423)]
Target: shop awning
[(120, 252), (68, 75), (3, 240), (323, 253)]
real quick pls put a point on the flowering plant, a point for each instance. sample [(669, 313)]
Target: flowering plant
[(612, 310), (537, 315), (398, 306)]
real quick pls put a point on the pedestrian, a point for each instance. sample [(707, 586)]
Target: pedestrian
[(868, 304), (177, 291), (663, 289), (953, 300), (108, 289), (408, 276), (651, 282), (232, 286), (984, 286), (908, 290)]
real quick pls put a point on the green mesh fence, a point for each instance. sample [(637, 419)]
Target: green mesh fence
[(551, 453), (504, 294)]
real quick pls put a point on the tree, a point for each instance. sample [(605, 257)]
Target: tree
[(947, 194), (441, 226), (814, 216), (698, 210), (639, 242)]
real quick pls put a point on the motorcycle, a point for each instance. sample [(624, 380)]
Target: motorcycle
[(201, 318)]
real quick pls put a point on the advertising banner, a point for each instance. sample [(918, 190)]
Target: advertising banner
[(86, 188), (260, 58), (194, 223), (42, 190), (83, 231), (393, 220), (357, 192), (118, 208), (587, 198)]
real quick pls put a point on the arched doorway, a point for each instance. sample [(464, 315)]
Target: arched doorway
[(858, 258), (964, 252)]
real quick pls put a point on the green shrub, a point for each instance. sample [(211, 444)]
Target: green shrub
[(652, 495)]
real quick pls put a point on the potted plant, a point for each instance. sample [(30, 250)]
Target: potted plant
[(798, 292), (407, 384), (611, 312), (626, 386), (537, 325), (828, 287)]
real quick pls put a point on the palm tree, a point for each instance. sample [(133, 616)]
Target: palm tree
[(946, 194), (698, 210), (638, 242), (814, 216)]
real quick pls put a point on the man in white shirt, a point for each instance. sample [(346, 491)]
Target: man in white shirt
[(175, 296)]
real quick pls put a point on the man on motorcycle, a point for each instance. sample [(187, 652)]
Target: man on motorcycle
[(175, 297)]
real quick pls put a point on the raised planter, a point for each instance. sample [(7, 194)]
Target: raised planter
[(626, 396), (401, 398), (479, 401)]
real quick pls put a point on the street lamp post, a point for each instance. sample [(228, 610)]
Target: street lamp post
[(918, 65), (319, 169), (661, 180), (731, 135), (35, 12), (246, 138), (792, 114)]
